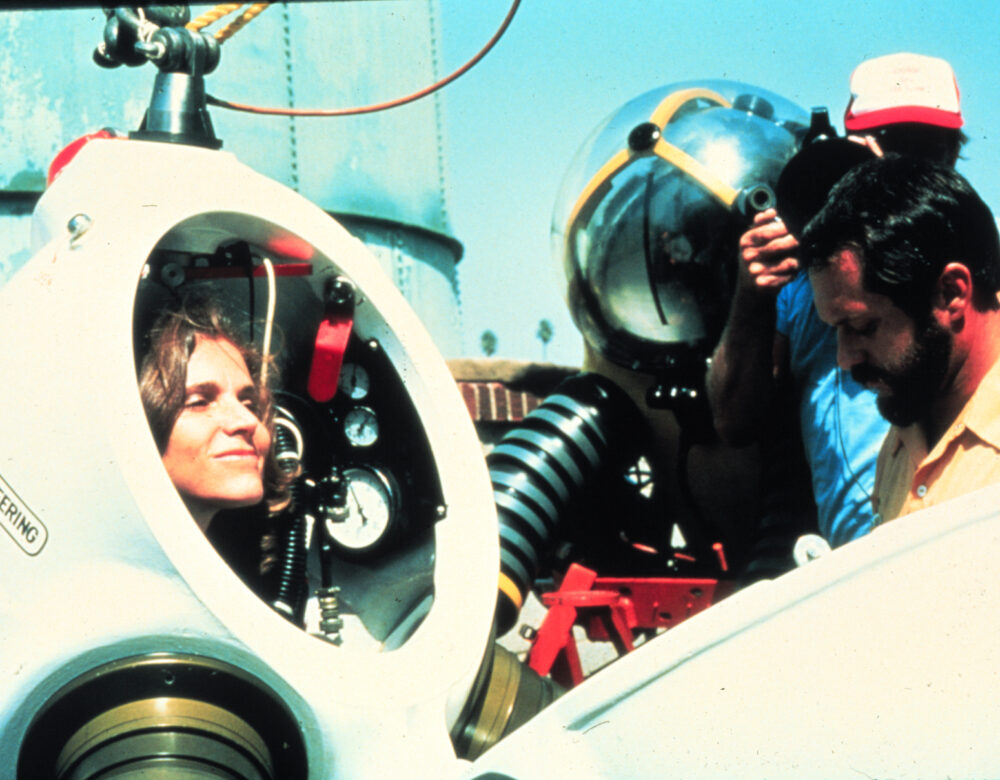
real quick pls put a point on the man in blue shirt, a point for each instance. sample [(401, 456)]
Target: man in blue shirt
[(774, 341)]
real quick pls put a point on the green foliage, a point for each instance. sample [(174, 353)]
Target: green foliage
[(488, 342)]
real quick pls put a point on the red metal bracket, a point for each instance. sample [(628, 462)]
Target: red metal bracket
[(554, 649), (658, 602), (612, 609)]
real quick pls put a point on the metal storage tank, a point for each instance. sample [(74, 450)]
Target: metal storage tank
[(382, 175)]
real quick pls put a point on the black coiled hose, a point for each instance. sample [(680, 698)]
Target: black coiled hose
[(292, 586), (586, 426)]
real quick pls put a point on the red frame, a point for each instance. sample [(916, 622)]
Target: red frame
[(612, 609)]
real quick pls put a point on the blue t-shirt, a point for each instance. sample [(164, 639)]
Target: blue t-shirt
[(841, 427)]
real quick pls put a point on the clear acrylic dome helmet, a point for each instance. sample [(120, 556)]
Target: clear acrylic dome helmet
[(648, 216)]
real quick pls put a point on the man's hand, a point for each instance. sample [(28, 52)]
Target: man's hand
[(765, 253), (869, 141)]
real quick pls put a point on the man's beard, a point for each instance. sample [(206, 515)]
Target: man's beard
[(915, 382)]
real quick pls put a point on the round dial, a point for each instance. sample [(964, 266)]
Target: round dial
[(361, 427), (371, 510), (354, 381)]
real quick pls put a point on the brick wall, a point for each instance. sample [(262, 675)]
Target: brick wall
[(493, 402)]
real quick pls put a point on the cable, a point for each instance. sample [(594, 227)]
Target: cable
[(370, 109), (268, 321)]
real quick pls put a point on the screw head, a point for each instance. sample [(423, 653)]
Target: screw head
[(643, 137), (78, 225)]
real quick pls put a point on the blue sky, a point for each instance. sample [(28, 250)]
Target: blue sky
[(515, 120)]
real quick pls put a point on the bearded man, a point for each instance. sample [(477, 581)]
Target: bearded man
[(904, 260)]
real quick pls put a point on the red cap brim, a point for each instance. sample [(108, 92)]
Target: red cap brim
[(898, 114)]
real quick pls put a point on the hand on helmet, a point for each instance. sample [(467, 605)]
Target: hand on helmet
[(766, 263)]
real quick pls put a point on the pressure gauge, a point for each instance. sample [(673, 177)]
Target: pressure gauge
[(361, 427), (372, 511), (354, 381)]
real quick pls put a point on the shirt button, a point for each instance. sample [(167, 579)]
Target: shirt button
[(921, 491)]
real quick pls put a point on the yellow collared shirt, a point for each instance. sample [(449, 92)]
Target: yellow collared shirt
[(966, 458)]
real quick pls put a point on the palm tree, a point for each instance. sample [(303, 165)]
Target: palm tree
[(488, 342), (544, 335)]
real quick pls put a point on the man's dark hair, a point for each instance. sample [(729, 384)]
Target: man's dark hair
[(941, 144), (909, 217)]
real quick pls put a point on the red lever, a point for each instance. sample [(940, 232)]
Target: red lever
[(328, 356)]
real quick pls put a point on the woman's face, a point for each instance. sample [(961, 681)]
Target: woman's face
[(216, 450)]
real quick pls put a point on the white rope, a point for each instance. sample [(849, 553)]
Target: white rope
[(146, 27), (268, 320)]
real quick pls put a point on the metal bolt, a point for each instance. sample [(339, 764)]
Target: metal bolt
[(329, 612), (173, 275), (78, 225), (643, 137)]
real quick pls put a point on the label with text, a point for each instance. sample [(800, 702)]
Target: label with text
[(20, 523)]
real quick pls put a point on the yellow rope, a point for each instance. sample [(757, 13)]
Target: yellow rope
[(240, 22), (223, 9)]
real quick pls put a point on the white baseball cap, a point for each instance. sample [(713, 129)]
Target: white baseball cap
[(903, 87)]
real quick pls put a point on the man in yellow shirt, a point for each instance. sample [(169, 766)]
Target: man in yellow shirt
[(904, 261)]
